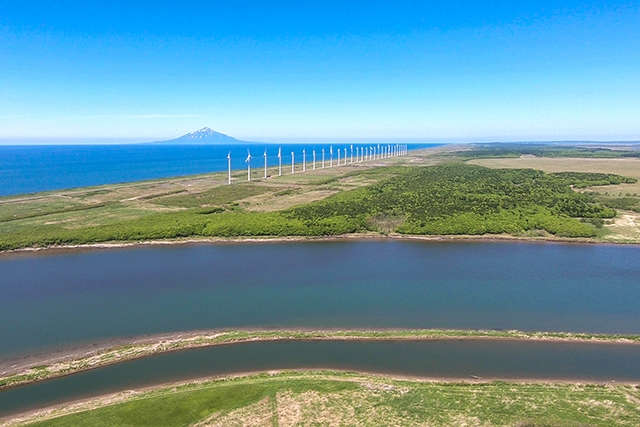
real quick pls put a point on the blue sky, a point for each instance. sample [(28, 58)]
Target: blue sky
[(321, 70)]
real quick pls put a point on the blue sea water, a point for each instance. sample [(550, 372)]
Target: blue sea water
[(34, 168)]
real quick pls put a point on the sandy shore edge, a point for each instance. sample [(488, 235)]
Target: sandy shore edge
[(343, 237)]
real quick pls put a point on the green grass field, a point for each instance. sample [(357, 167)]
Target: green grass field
[(351, 399)]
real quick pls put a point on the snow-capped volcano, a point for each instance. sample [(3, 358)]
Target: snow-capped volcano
[(203, 136), (205, 133)]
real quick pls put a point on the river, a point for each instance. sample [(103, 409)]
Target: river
[(64, 298), (60, 299)]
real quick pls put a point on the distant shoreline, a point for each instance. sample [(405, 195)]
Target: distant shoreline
[(31, 369)]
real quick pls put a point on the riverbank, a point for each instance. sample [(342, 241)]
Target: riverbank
[(345, 237), (347, 398), (33, 369)]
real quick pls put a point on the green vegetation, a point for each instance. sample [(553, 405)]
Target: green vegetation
[(446, 199), (465, 199), (630, 202), (587, 179), (132, 351), (493, 150), (340, 398)]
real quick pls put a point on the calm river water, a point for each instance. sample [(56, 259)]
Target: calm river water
[(69, 298), (441, 359)]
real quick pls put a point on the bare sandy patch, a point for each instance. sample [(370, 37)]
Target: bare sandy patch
[(349, 408), (259, 414), (624, 228), (271, 202)]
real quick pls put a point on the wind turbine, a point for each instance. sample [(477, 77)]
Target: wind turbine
[(338, 157), (280, 161), (314, 159), (293, 170), (265, 163), (248, 162), (351, 154), (323, 158), (229, 166), (304, 160), (331, 156)]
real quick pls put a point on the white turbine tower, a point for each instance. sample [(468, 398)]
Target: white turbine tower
[(345, 156), (351, 154), (293, 163), (229, 167), (248, 162), (265, 163), (331, 156), (323, 158), (314, 159), (304, 160), (280, 161), (338, 157)]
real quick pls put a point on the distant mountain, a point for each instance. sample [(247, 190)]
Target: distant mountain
[(203, 136)]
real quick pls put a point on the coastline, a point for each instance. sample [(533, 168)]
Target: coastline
[(493, 238), (367, 379), (31, 369)]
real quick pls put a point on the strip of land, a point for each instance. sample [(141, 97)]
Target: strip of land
[(84, 359), (433, 193), (288, 398)]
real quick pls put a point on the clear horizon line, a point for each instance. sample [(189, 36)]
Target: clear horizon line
[(78, 140)]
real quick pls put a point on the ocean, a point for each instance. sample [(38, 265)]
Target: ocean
[(36, 168)]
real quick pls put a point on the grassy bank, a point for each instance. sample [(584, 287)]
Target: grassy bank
[(150, 347), (339, 398)]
